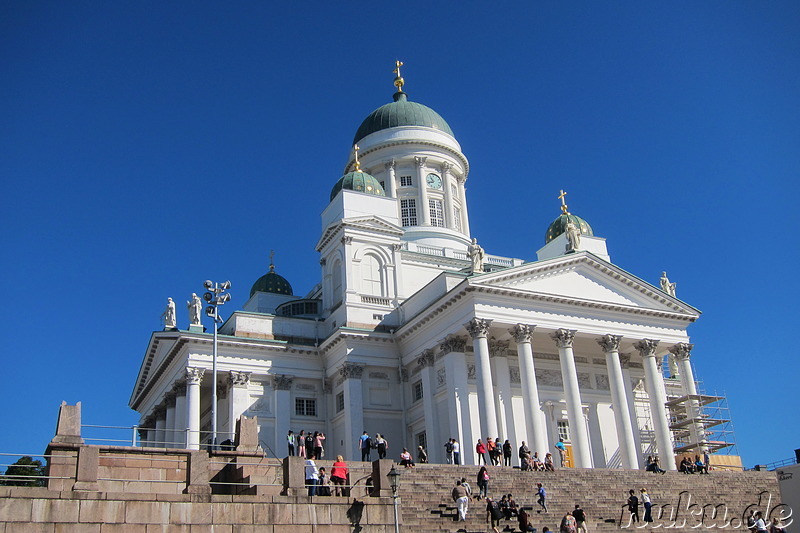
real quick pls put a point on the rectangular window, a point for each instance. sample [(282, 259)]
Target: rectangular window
[(437, 213), (340, 402), (305, 406), (383, 185), (422, 440), (563, 430), (417, 392), (457, 218), (408, 212), (405, 181), (454, 191)]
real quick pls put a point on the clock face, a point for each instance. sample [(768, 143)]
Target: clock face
[(434, 181)]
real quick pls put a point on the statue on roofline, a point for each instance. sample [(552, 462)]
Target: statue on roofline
[(666, 286), (195, 305), (168, 316), (476, 255)]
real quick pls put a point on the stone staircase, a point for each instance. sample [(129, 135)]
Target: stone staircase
[(678, 499)]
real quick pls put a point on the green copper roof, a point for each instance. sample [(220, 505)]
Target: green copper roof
[(559, 226), (271, 282), (401, 112), (358, 181)]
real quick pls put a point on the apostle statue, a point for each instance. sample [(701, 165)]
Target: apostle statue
[(168, 316), (666, 286), (195, 305), (573, 236), (476, 255)]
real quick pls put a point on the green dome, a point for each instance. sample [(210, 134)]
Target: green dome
[(358, 181), (271, 282), (401, 112), (559, 226)]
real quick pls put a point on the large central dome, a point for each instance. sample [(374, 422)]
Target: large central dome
[(401, 112)]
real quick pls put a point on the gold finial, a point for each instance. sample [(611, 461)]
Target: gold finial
[(358, 163), (272, 260), (563, 203), (398, 80)]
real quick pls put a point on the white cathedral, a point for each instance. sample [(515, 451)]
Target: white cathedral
[(415, 333)]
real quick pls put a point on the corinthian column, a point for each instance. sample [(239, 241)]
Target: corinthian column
[(193, 378), (391, 181), (658, 410), (619, 401), (580, 443), (478, 328), (534, 417), (682, 351), (350, 374)]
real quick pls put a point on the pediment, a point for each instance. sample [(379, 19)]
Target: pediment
[(371, 224), (584, 278)]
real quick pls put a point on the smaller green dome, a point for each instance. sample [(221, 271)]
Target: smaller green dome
[(559, 226), (358, 181), (272, 282)]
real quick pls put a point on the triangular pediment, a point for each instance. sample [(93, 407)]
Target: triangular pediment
[(584, 278), (372, 224)]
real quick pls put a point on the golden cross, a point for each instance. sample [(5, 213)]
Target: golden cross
[(563, 203), (398, 80), (358, 163), (398, 64), (272, 259)]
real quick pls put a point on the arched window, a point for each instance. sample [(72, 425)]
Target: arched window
[(371, 279), (337, 282)]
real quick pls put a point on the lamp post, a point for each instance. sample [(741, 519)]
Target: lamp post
[(394, 482), (215, 296)]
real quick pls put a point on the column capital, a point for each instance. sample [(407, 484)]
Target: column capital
[(169, 399), (160, 411), (390, 164), (351, 370), (282, 382), (646, 347), (238, 379), (564, 337), (179, 387), (347, 239), (420, 161), (446, 166), (609, 342), (497, 348), (522, 333), (682, 350), (453, 343), (425, 359), (194, 375), (478, 327)]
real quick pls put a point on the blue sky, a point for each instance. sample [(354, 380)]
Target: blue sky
[(148, 146)]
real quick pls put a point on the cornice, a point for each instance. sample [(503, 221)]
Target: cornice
[(343, 334), (362, 155), (357, 224)]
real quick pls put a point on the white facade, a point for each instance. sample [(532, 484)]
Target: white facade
[(401, 338)]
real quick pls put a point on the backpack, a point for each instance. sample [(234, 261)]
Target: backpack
[(448, 447), (368, 443)]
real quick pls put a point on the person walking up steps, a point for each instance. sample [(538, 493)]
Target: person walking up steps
[(365, 443), (493, 514), (580, 519), (461, 497), (456, 452), (633, 506), (542, 497), (448, 451)]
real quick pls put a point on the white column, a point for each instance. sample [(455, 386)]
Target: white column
[(569, 374), (169, 428), (238, 396), (658, 411), (682, 351), (282, 408), (426, 362), (619, 401), (425, 212), (161, 419), (448, 197), (534, 417), (478, 329), (180, 414), (458, 394), (193, 378), (505, 409), (391, 182), (354, 407), (465, 216)]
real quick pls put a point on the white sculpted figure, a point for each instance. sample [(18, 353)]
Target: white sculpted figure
[(476, 255), (168, 316), (666, 286), (195, 305), (573, 236)]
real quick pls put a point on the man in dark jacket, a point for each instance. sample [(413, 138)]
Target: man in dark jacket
[(580, 519)]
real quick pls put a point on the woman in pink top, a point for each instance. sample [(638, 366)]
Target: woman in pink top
[(319, 441), (339, 476)]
